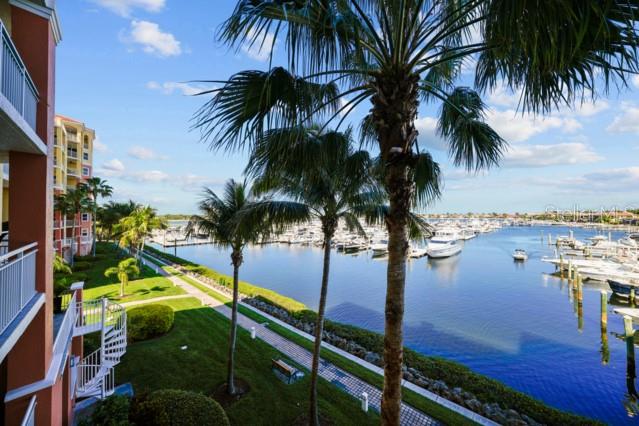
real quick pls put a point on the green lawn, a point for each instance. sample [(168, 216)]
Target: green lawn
[(161, 363), (433, 409), (147, 286)]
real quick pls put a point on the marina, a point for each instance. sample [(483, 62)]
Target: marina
[(510, 320)]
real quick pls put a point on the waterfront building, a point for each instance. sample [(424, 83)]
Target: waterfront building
[(42, 366), (72, 164)]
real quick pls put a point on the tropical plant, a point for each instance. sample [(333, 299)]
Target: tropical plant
[(79, 202), (109, 216), (126, 269), (399, 54), (224, 220), (60, 265), (95, 187), (321, 177), (139, 225)]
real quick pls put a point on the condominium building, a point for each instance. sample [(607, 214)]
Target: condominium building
[(43, 369), (72, 164)]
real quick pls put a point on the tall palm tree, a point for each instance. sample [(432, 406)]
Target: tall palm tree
[(402, 53), (139, 225), (222, 218), (63, 206), (96, 187), (321, 177), (79, 202), (109, 215)]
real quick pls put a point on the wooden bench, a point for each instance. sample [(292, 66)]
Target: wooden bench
[(287, 373)]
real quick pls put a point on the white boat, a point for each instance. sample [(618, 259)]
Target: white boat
[(417, 253), (467, 234), (440, 248), (520, 254), (380, 248)]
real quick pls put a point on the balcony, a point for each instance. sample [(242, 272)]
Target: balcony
[(19, 301), (18, 102), (72, 154)]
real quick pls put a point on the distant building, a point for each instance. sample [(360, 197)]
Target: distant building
[(72, 164)]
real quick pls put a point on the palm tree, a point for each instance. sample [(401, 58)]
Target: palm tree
[(96, 187), (400, 54), (63, 206), (79, 202), (125, 270), (321, 177), (60, 265), (110, 214), (139, 225), (224, 220)]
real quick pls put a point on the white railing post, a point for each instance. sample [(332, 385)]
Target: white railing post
[(102, 329)]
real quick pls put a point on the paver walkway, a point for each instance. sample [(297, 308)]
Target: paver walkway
[(338, 377)]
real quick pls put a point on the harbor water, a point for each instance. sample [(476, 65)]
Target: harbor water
[(515, 322)]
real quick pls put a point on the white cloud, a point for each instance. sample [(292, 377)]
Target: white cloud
[(427, 128), (627, 121), (142, 153), (515, 127), (113, 166), (151, 176), (549, 155), (588, 109), (598, 182), (635, 80), (169, 87), (260, 50), (124, 7), (153, 40), (99, 146)]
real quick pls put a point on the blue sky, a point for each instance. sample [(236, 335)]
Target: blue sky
[(123, 68)]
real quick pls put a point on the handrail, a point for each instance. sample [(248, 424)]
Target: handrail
[(66, 328), (17, 251), (17, 85), (29, 415)]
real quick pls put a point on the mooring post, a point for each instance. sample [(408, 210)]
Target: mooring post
[(252, 332), (570, 270), (604, 309), (630, 343)]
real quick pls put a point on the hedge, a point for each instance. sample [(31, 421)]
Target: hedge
[(111, 411), (67, 280), (452, 373), (173, 407), (81, 265), (148, 321), (268, 296)]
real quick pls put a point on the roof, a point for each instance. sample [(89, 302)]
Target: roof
[(65, 118)]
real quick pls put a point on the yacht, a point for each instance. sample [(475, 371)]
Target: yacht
[(379, 248), (441, 247), (467, 234)]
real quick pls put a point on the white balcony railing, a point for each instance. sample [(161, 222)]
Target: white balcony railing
[(17, 85), (72, 154), (17, 282), (29, 415)]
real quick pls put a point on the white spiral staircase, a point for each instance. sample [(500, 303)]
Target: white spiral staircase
[(95, 373)]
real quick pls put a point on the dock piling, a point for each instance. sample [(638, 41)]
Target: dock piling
[(604, 309)]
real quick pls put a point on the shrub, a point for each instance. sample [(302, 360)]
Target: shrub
[(111, 411), (67, 280), (146, 322), (81, 265), (172, 407)]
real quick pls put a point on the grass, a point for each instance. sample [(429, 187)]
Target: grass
[(410, 397), (147, 286), (202, 368)]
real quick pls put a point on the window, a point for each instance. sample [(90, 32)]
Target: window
[(85, 171), (86, 142), (85, 217), (85, 156), (85, 232)]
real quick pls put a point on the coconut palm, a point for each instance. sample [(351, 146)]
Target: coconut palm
[(321, 177), (222, 218), (139, 225), (79, 202), (402, 53), (95, 188), (62, 205), (126, 269), (110, 214)]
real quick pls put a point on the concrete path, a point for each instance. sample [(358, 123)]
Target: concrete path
[(155, 299), (338, 377)]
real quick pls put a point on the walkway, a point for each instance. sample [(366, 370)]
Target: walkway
[(338, 377)]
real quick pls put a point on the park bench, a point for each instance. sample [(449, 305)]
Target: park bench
[(286, 373)]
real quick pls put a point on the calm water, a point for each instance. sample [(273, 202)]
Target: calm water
[(514, 322)]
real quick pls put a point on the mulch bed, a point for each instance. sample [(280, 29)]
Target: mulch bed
[(220, 395)]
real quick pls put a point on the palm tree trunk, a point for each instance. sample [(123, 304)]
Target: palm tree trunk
[(95, 212), (236, 258), (394, 113), (319, 329)]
